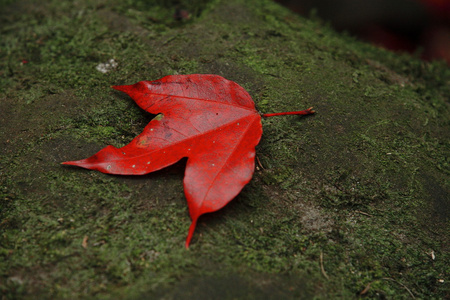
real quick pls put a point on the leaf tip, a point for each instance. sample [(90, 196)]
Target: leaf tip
[(77, 163), (122, 88), (191, 232)]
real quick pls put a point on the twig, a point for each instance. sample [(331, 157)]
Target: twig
[(259, 163), (367, 288), (84, 243), (363, 213), (321, 266), (404, 286)]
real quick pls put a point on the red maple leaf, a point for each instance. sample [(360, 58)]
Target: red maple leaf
[(208, 119)]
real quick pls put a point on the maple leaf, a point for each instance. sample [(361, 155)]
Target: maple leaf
[(208, 119)]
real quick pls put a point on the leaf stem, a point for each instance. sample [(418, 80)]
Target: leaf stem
[(308, 111), (191, 231)]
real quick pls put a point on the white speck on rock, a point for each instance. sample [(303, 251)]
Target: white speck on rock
[(106, 67)]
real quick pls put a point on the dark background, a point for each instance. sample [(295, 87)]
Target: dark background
[(419, 27)]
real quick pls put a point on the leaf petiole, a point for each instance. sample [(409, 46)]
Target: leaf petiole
[(308, 111)]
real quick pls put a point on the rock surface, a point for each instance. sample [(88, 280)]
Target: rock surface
[(351, 201)]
